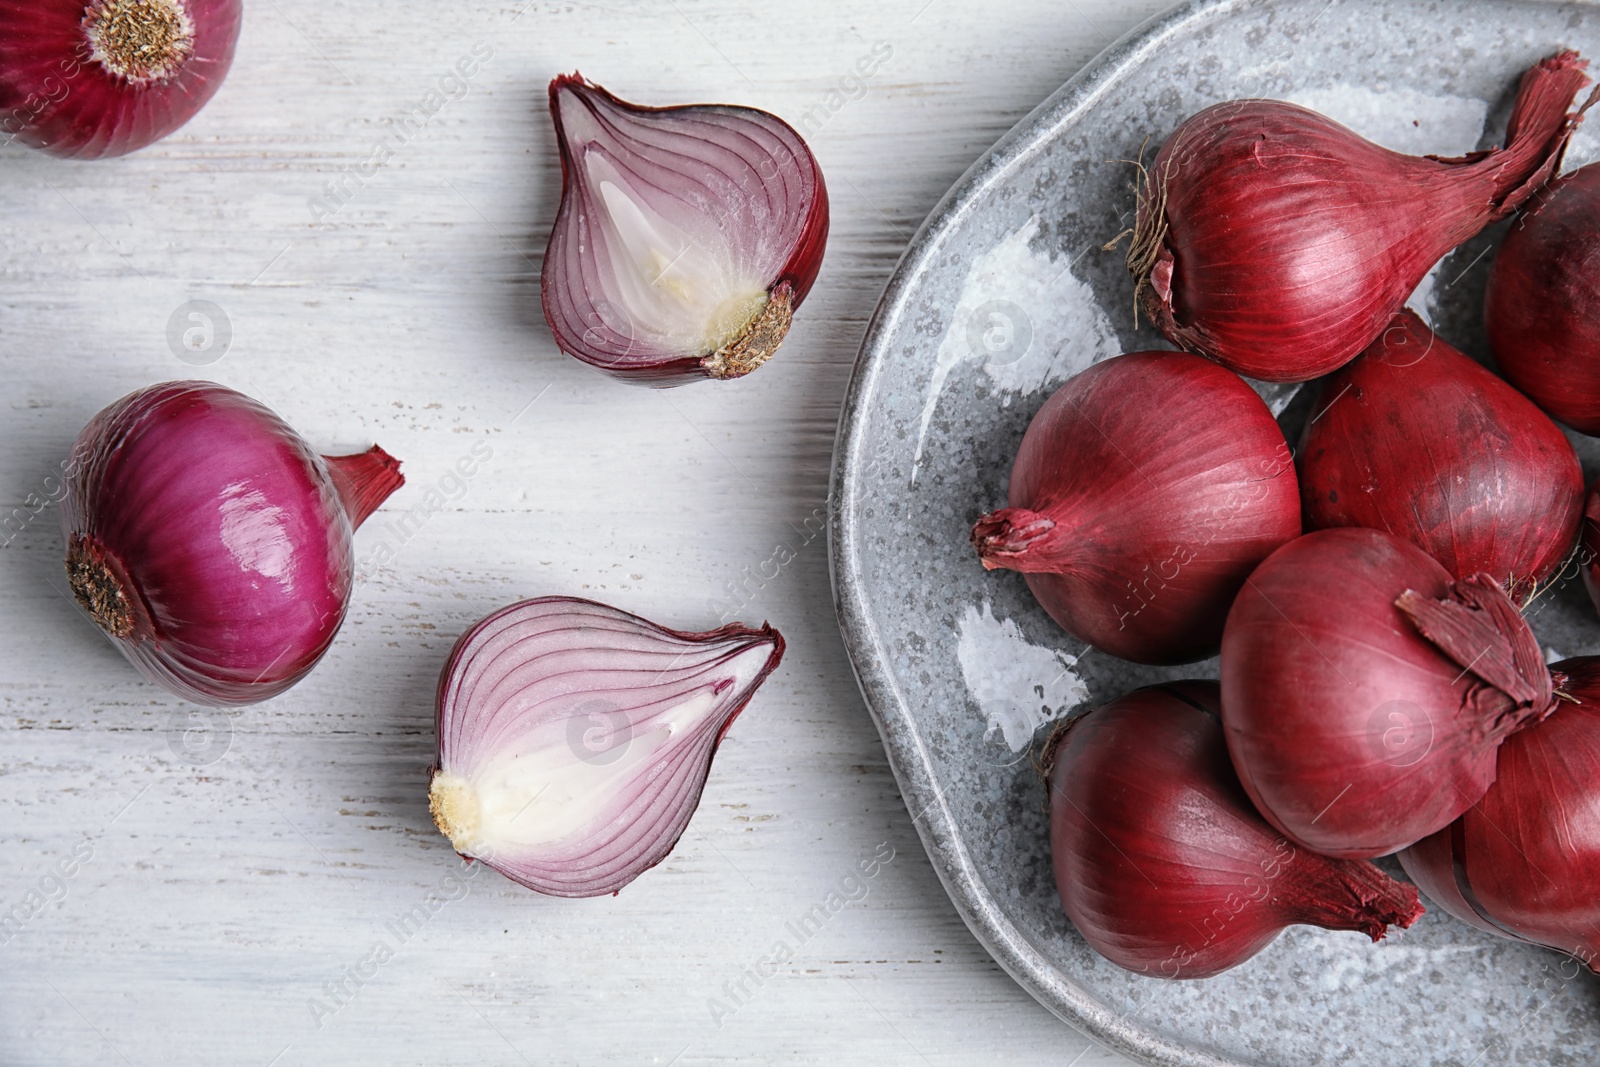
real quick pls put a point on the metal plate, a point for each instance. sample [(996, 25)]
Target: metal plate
[(1003, 295)]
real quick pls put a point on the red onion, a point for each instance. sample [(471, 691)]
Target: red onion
[(1280, 243), (210, 542), (1542, 310), (1364, 692), (1160, 860), (687, 236), (575, 739), (104, 78), (1416, 439), (1588, 554), (1524, 862), (1145, 491)]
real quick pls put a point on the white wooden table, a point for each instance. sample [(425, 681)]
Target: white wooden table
[(219, 895)]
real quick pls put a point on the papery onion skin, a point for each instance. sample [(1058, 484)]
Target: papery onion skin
[(62, 94), (744, 176), (538, 679), (1415, 439), (1541, 308), (1280, 243), (1145, 491), (1352, 732), (1160, 861), (1588, 555), (1524, 862), (209, 541)]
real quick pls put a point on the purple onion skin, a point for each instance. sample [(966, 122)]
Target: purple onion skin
[(1280, 243), (549, 662), (1160, 860), (1415, 439), (1541, 310), (1524, 862), (228, 537), (56, 97), (1354, 734)]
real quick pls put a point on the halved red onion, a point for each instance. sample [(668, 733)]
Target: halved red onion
[(1524, 862), (1415, 439), (107, 77), (687, 236), (575, 739), (210, 542)]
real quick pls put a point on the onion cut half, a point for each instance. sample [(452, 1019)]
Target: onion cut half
[(686, 238), (575, 739)]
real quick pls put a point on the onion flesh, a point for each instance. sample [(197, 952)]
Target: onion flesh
[(575, 739), (1160, 860), (686, 238)]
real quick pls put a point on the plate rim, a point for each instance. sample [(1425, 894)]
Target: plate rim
[(904, 745)]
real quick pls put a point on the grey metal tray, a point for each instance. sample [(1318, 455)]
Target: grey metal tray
[(1004, 294)]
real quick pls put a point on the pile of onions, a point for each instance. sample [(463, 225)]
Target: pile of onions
[(575, 739), (1160, 860), (1416, 439), (209, 541), (1524, 862), (1365, 692), (1280, 243), (687, 236), (110, 76), (1542, 310), (1145, 492)]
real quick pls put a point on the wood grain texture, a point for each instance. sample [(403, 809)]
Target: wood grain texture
[(220, 899)]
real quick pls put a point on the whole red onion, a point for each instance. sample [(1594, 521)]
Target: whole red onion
[(107, 77), (1280, 243), (1524, 862), (1542, 309), (1414, 438), (1588, 555), (1365, 692), (687, 236), (1145, 491), (575, 739), (210, 542), (1160, 860)]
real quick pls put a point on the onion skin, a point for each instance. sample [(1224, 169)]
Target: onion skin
[(1160, 860), (1280, 243), (1415, 439), (1588, 557), (520, 690), (56, 95), (738, 192), (1541, 308), (1136, 523), (1353, 733), (1524, 862), (210, 542)]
